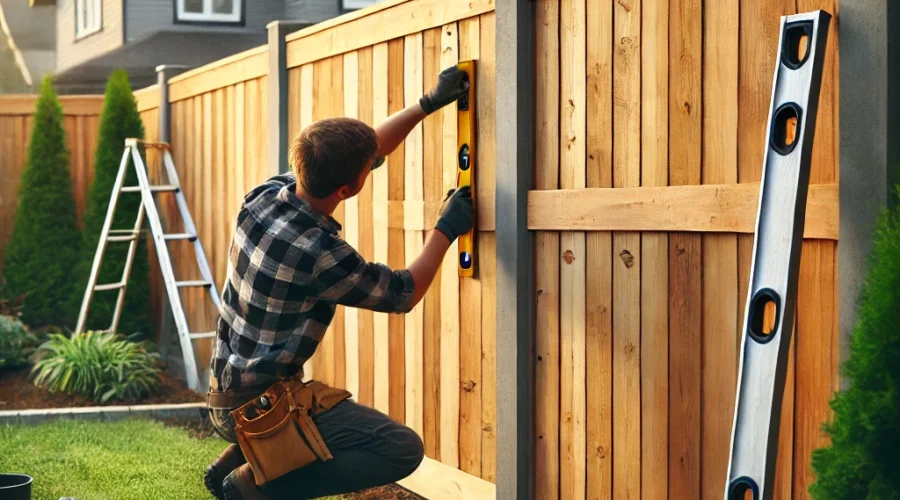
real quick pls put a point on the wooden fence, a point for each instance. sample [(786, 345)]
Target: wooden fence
[(81, 122), (642, 281), (649, 139)]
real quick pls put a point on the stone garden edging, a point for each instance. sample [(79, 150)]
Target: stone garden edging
[(183, 411)]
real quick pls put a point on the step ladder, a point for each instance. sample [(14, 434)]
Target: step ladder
[(160, 239), (775, 268)]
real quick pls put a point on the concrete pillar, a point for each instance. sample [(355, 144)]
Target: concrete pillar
[(515, 285), (869, 139)]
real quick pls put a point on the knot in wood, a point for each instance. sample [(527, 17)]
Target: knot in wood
[(569, 257), (627, 258)]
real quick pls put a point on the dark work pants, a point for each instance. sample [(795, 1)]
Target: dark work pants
[(369, 450)]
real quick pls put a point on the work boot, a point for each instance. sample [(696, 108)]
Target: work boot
[(241, 485), (230, 459)]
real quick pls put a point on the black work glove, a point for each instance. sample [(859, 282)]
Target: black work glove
[(452, 84), (456, 215)]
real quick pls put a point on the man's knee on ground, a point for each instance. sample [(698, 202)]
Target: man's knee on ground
[(409, 452)]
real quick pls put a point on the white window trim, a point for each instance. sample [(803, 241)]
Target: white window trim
[(207, 15), (88, 17), (357, 4)]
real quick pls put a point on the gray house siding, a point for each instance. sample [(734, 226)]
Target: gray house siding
[(70, 51), (143, 17), (314, 11)]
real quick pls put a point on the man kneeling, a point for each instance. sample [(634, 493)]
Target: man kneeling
[(288, 268)]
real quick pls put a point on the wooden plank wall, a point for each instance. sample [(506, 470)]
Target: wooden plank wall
[(81, 122), (638, 332), (218, 137), (432, 369)]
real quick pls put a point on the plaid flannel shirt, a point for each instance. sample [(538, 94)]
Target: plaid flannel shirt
[(287, 270)]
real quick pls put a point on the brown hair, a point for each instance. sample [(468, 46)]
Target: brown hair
[(331, 153)]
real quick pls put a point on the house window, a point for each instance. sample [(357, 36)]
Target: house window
[(357, 4), (88, 17), (212, 11)]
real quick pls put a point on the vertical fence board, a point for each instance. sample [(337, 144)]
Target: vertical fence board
[(470, 316), (396, 259), (546, 252), (720, 258), (626, 255), (685, 301), (573, 397), (598, 261), (381, 389), (816, 337), (654, 253), (449, 348), (351, 231), (487, 245), (366, 239), (414, 191), (433, 188)]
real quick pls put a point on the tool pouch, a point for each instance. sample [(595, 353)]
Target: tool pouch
[(276, 431)]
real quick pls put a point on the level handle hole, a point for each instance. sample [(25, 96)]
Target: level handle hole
[(743, 488), (795, 44), (785, 128), (765, 308)]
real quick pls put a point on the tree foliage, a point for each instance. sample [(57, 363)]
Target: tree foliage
[(45, 240), (119, 120), (862, 461)]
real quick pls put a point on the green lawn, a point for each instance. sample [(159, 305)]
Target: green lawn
[(124, 460)]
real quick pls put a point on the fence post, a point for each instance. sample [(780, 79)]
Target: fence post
[(163, 73), (278, 94), (515, 289), (869, 141)]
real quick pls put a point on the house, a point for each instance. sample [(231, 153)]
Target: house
[(94, 37), (28, 49)]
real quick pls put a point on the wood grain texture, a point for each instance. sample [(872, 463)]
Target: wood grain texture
[(414, 191), (399, 20), (470, 299), (598, 245), (351, 231), (487, 243), (573, 175), (817, 336), (685, 251), (720, 208), (323, 360), (434, 479), (626, 254), (654, 253), (450, 321), (433, 187), (366, 239), (395, 165), (546, 255), (720, 259), (243, 67), (379, 183)]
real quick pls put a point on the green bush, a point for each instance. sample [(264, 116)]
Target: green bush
[(16, 344), (862, 461), (45, 240), (97, 365), (119, 120)]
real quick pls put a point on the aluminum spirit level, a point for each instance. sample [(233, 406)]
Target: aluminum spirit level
[(775, 268), (465, 165)]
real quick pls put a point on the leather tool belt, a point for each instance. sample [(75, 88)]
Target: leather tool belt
[(275, 429)]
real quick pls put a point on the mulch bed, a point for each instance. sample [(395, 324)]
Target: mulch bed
[(18, 392)]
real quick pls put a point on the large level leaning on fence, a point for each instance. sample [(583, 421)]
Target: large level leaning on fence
[(447, 249)]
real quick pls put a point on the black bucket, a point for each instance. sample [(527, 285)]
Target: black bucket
[(15, 486)]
